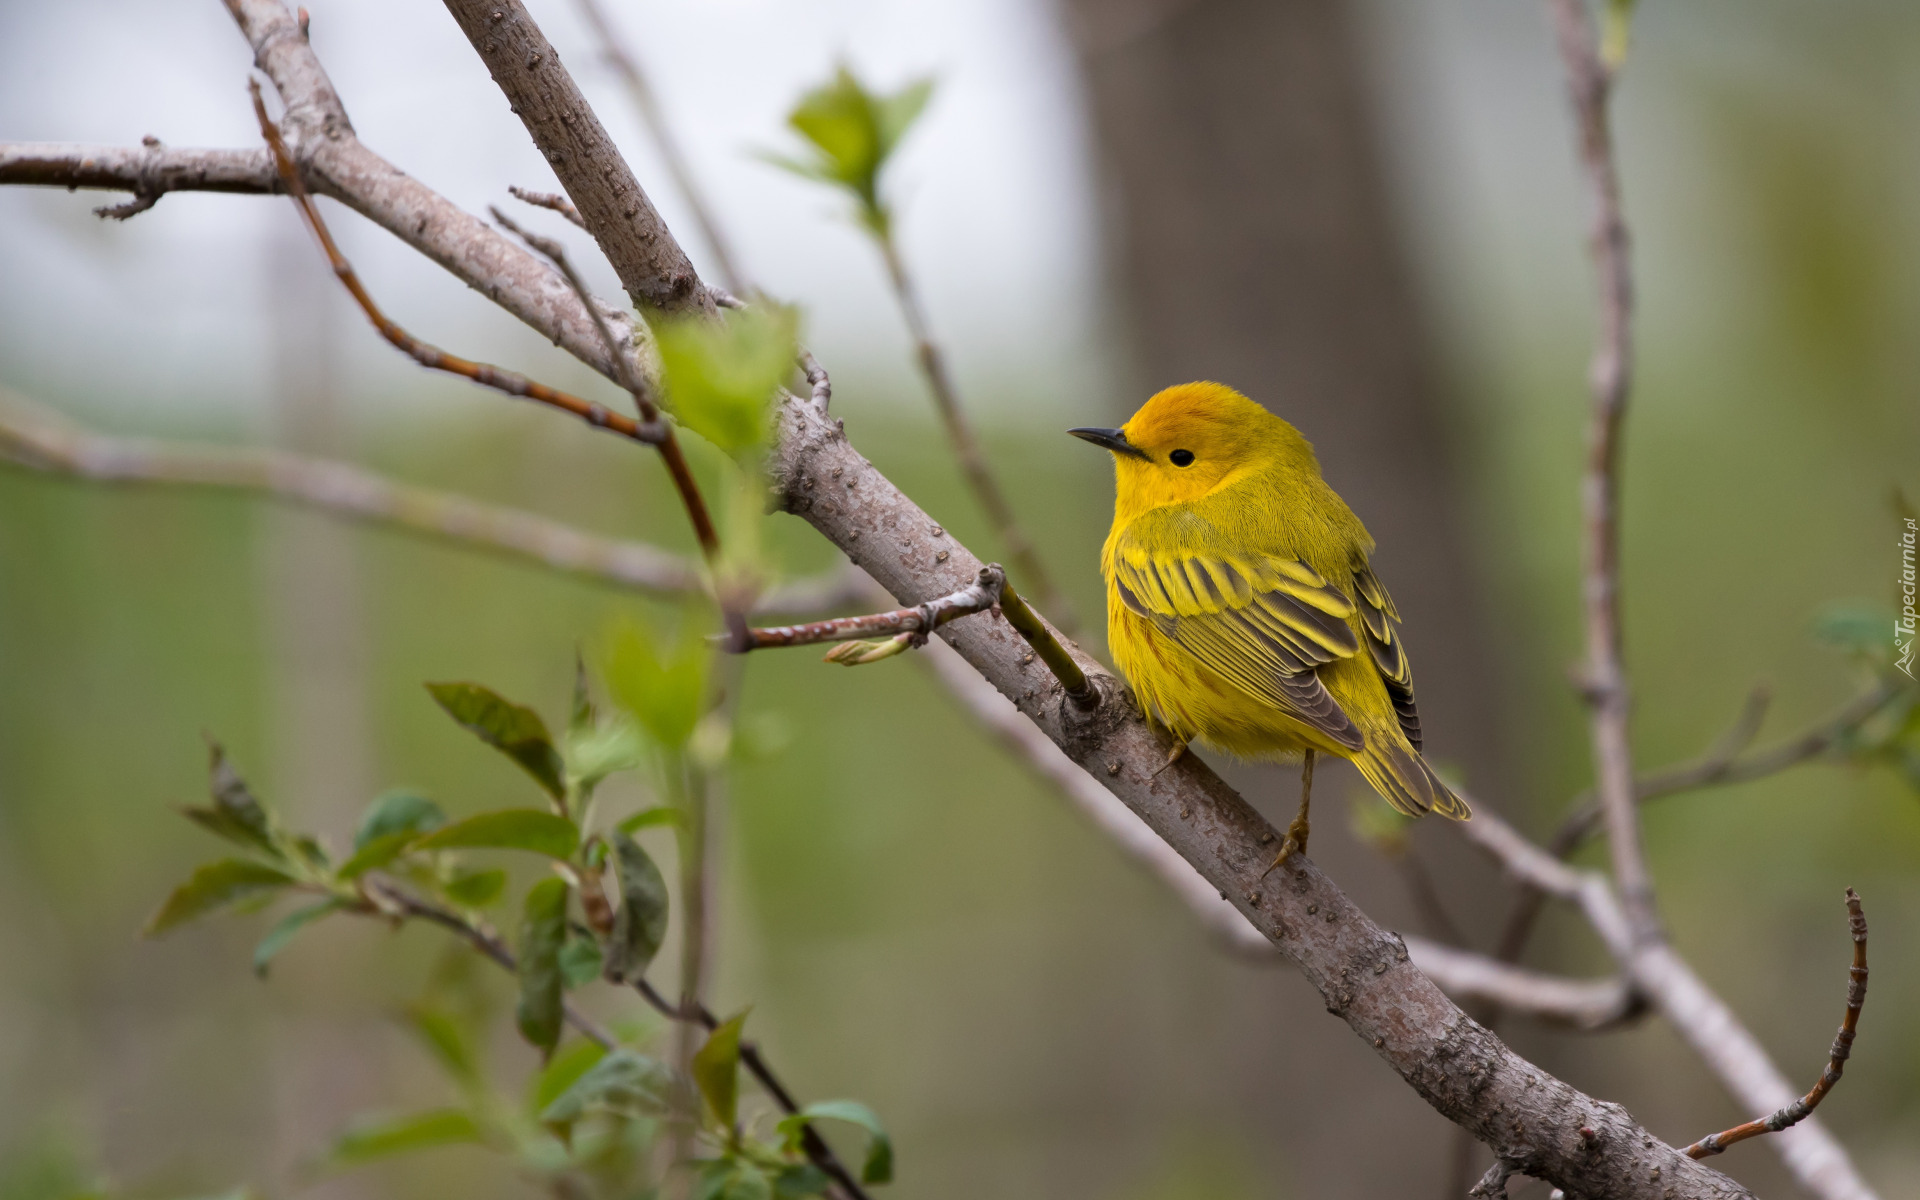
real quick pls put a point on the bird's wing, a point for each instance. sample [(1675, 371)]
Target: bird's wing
[(1263, 621), (1382, 621)]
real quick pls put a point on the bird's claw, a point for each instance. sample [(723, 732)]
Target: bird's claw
[(1174, 755)]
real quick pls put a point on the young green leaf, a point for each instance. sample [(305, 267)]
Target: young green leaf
[(647, 818), (799, 1180), (732, 1179), (625, 1082), (664, 687), (596, 752), (878, 1167), (475, 889), (851, 133), (383, 1137), (640, 925), (579, 962), (235, 814), (213, 886), (387, 829), (716, 1070), (290, 925), (532, 829), (513, 729), (721, 375), (446, 1039), (563, 1070), (543, 931)]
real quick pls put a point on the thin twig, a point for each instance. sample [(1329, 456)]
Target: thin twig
[(552, 201), (966, 447), (1610, 376), (1796, 1112), (917, 622), (391, 898), (339, 489), (817, 1150), (817, 379), (498, 378), (669, 146), (637, 386)]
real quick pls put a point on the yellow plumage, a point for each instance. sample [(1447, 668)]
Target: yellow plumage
[(1240, 602)]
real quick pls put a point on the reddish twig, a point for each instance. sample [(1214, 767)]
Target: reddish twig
[(637, 387), (912, 623), (552, 201), (512, 383), (1796, 1112)]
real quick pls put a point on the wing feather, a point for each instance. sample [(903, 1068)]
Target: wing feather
[(1263, 622), (1382, 622)]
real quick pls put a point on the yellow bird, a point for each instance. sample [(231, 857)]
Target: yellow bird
[(1239, 600)]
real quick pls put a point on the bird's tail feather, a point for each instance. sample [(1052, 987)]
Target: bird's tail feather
[(1401, 776)]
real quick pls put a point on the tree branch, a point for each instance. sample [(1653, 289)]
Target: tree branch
[(612, 204), (911, 623), (31, 438), (1796, 1112), (149, 170), (644, 103)]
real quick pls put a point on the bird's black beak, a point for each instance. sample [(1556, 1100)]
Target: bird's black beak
[(1112, 439)]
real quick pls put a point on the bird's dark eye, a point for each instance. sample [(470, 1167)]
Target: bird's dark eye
[(1181, 458)]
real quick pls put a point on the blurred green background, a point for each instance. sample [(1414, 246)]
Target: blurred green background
[(915, 922)]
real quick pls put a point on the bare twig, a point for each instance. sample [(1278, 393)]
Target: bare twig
[(966, 447), (1605, 683), (510, 382), (816, 1148), (648, 107), (638, 387), (915, 623), (1793, 1114), (1586, 1005), (817, 380), (553, 201)]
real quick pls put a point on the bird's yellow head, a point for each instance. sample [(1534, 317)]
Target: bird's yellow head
[(1190, 441)]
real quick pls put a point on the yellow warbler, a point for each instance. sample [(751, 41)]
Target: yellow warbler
[(1239, 597)]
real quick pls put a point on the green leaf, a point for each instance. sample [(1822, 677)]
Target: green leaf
[(798, 1180), (579, 962), (1616, 26), (213, 886), (397, 812), (383, 1137), (852, 132), (563, 1070), (235, 814), (625, 1083), (878, 1167), (599, 751), (716, 1070), (721, 375), (647, 818), (665, 688), (543, 931), (475, 889), (446, 1039), (507, 829), (388, 828), (290, 925), (732, 1179), (513, 729), (641, 923)]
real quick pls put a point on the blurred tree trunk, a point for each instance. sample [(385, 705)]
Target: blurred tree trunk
[(1252, 244)]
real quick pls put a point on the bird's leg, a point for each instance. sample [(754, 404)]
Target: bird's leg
[(1296, 839), (1174, 755)]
